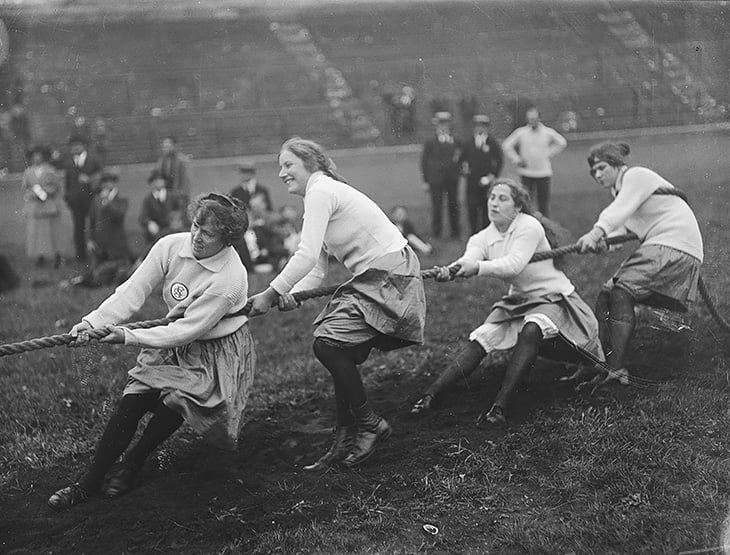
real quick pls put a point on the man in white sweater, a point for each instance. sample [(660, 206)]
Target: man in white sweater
[(531, 148)]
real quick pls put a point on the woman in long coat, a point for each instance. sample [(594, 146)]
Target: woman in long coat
[(41, 186)]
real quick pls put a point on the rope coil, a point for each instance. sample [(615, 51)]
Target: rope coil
[(99, 333)]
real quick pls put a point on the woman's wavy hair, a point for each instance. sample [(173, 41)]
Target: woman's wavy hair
[(226, 214), (611, 152), (522, 200), (313, 156)]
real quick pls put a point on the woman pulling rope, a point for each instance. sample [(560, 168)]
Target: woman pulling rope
[(542, 313), (196, 366), (383, 306), (664, 271)]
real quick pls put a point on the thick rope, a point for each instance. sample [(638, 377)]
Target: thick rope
[(66, 339), (724, 324)]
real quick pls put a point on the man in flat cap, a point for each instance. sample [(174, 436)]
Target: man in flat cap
[(440, 170), (481, 162), (249, 186)]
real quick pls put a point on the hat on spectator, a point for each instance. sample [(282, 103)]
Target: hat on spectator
[(246, 167), (441, 117), (481, 119)]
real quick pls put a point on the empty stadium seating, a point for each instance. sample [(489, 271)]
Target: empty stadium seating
[(241, 83)]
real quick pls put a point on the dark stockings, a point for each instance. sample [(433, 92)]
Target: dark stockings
[(352, 401), (522, 359), (120, 431), (466, 361), (621, 325)]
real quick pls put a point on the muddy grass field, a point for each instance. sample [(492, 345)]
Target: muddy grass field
[(642, 469)]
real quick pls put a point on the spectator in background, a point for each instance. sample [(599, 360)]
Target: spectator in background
[(289, 227), (264, 241), (250, 186), (20, 124), (174, 166), (440, 170), (41, 186), (481, 162), (402, 111), (157, 207), (399, 216), (80, 127), (82, 170), (531, 148), (110, 255), (100, 137)]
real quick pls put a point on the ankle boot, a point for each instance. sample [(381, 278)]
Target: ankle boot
[(368, 436), (342, 444)]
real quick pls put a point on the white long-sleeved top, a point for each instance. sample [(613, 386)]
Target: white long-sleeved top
[(536, 148), (201, 291), (507, 256), (657, 219), (341, 221)]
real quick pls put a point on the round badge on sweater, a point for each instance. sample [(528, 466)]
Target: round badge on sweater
[(179, 291)]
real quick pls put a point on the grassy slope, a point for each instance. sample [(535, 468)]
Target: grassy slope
[(628, 471)]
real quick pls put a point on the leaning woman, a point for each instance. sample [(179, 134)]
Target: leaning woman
[(382, 306), (197, 369), (664, 270), (542, 313)]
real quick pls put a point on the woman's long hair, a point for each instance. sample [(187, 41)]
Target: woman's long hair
[(522, 200), (313, 156)]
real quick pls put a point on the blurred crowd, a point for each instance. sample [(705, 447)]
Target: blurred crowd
[(77, 179)]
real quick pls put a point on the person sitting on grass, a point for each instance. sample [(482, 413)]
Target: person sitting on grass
[(382, 306), (198, 368), (664, 271), (541, 313), (399, 216)]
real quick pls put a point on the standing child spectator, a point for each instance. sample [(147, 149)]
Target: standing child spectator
[(531, 149), (41, 186), (198, 368), (382, 306), (399, 216)]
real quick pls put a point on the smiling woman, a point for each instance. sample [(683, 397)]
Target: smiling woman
[(383, 306), (198, 368)]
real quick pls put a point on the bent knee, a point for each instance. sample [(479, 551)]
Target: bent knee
[(531, 331)]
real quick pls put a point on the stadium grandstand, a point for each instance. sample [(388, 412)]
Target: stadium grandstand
[(231, 78)]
